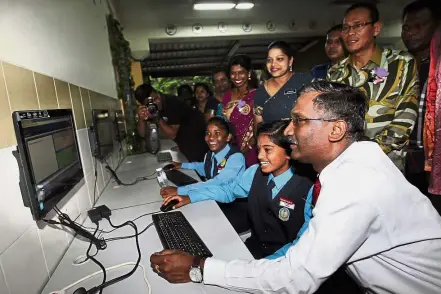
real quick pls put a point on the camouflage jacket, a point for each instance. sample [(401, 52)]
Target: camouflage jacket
[(390, 81)]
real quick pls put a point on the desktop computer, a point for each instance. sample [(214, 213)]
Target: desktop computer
[(101, 134), (48, 157)]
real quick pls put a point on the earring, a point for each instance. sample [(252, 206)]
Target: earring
[(249, 78), (290, 68)]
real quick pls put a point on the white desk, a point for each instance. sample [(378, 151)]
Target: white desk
[(143, 192), (222, 241)]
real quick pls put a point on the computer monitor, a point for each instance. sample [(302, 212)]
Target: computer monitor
[(120, 126), (102, 134), (48, 157)]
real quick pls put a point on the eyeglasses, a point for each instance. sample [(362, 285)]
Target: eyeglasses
[(296, 120), (357, 27)]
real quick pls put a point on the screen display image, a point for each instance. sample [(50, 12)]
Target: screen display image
[(48, 157)]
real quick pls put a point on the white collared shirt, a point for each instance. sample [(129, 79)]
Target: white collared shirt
[(367, 217)]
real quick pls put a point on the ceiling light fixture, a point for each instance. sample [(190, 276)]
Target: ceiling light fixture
[(213, 5), (243, 5)]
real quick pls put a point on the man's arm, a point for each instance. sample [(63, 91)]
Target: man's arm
[(227, 191), (340, 226), (170, 131), (396, 135)]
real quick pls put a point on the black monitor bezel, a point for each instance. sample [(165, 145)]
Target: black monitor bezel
[(120, 134), (98, 150), (27, 179)]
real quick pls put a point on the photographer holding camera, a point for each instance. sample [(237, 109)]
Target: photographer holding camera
[(176, 121)]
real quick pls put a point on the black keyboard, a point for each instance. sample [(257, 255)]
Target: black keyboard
[(164, 157), (175, 232), (179, 178)]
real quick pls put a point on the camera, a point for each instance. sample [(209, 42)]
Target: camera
[(152, 108)]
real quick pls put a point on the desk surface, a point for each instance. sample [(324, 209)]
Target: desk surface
[(129, 203)]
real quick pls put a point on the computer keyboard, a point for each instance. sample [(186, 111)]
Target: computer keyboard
[(175, 232), (179, 178), (164, 157)]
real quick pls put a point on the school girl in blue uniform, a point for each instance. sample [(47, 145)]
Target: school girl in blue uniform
[(277, 195), (223, 162)]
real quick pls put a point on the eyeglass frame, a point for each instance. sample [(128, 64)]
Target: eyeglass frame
[(357, 27), (296, 120)]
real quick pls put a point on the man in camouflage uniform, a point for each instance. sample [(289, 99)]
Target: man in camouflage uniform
[(388, 77)]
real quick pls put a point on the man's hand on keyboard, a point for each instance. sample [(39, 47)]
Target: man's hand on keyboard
[(168, 192), (172, 265), (183, 200)]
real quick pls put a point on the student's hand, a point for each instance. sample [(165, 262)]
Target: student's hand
[(168, 191), (143, 113), (177, 165), (183, 200), (172, 265)]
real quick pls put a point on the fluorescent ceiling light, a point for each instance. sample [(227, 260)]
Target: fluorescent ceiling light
[(244, 5), (214, 5)]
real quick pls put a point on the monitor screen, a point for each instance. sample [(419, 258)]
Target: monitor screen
[(103, 133), (48, 157)]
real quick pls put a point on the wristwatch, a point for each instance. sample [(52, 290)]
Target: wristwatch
[(196, 271)]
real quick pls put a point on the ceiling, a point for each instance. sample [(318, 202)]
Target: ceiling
[(198, 44), (199, 57)]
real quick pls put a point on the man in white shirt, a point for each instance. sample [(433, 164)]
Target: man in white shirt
[(366, 215)]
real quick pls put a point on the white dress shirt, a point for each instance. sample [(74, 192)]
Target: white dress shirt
[(367, 217)]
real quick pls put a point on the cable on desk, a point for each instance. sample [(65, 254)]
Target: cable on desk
[(128, 237), (137, 180), (96, 261), (108, 270)]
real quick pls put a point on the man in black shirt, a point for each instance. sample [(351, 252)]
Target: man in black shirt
[(420, 19), (176, 121)]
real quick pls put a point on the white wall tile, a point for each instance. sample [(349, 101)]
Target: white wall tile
[(15, 218), (24, 265), (54, 242), (84, 202), (90, 182), (3, 287), (85, 152)]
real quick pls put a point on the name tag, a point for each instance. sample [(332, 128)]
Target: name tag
[(286, 203)]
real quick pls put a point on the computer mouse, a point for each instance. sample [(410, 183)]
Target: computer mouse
[(168, 167), (169, 206)]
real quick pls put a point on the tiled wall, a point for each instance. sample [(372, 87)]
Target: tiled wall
[(29, 250)]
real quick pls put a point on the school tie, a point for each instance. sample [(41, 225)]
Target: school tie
[(269, 188), (213, 167), (316, 191)]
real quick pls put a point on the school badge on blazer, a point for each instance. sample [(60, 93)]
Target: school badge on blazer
[(222, 165), (284, 214)]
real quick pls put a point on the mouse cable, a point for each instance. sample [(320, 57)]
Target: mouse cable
[(137, 180), (130, 263), (128, 237), (125, 276)]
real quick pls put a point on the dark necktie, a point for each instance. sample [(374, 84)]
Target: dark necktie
[(269, 188), (213, 167), (316, 191)]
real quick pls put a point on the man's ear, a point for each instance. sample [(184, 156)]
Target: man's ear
[(377, 28), (339, 130), (229, 138)]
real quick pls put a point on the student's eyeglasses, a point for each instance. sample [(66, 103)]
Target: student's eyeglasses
[(295, 120), (357, 27)]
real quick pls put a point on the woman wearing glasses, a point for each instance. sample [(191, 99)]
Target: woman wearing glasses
[(274, 100)]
